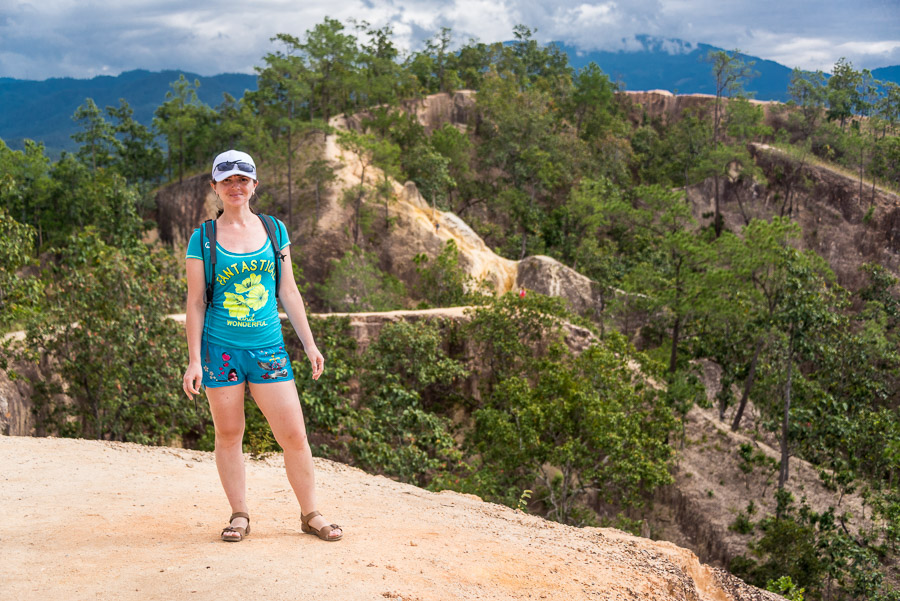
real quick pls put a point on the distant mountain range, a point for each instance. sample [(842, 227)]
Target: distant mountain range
[(42, 110), (681, 68)]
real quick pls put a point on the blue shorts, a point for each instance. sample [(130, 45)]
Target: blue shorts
[(230, 367)]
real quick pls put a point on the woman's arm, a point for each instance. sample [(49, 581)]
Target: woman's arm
[(194, 315), (296, 312)]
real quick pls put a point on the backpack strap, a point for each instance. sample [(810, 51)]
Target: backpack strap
[(271, 229), (209, 230)]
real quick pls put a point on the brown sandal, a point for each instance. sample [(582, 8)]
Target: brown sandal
[(322, 532), (242, 532)]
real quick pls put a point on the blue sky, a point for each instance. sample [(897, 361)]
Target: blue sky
[(84, 38)]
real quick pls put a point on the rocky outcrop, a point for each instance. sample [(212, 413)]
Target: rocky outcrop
[(15, 401), (667, 107), (550, 277), (432, 112)]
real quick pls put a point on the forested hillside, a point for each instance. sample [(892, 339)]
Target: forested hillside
[(55, 99), (550, 161)]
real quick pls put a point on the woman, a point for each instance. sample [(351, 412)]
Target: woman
[(237, 337)]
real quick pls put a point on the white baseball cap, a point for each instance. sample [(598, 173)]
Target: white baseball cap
[(233, 162)]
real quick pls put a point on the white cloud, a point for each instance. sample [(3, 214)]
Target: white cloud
[(84, 37), (486, 20)]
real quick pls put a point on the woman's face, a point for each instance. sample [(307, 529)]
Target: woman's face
[(235, 190)]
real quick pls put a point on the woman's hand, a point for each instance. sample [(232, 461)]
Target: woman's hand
[(193, 378), (317, 361)]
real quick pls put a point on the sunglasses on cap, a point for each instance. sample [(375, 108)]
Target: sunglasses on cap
[(241, 165)]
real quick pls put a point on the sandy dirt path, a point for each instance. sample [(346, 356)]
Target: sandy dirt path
[(99, 520)]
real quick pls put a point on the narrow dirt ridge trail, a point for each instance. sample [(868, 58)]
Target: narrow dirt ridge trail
[(101, 520)]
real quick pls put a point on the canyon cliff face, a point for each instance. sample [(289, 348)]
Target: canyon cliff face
[(848, 225), (406, 225), (844, 227)]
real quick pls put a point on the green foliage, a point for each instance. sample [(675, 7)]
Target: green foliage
[(562, 422), (138, 157), (443, 283), (355, 283), (102, 329), (815, 553), (842, 93), (63, 198), (807, 91), (98, 143), (743, 523), (513, 333), (580, 422), (785, 587), (395, 430), (18, 292), (184, 121), (326, 402)]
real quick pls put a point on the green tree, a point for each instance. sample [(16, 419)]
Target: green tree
[(331, 60), (139, 157), (283, 90), (184, 121), (843, 95), (566, 423), (97, 137), (369, 149), (384, 82), (103, 330), (533, 157), (807, 91), (443, 283), (747, 285), (430, 170), (83, 198), (406, 376), (729, 72), (888, 107), (456, 147), (805, 307), (593, 101), (26, 187), (355, 283), (672, 278)]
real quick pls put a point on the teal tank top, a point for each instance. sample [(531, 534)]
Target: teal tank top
[(244, 310)]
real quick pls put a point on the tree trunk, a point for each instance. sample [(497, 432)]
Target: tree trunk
[(673, 357), (290, 183), (748, 385), (317, 202), (783, 474), (861, 157), (717, 219)]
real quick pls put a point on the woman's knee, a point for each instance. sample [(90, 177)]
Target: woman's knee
[(293, 438), (228, 435)]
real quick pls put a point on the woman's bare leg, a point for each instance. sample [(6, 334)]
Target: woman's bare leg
[(280, 404), (227, 407)]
